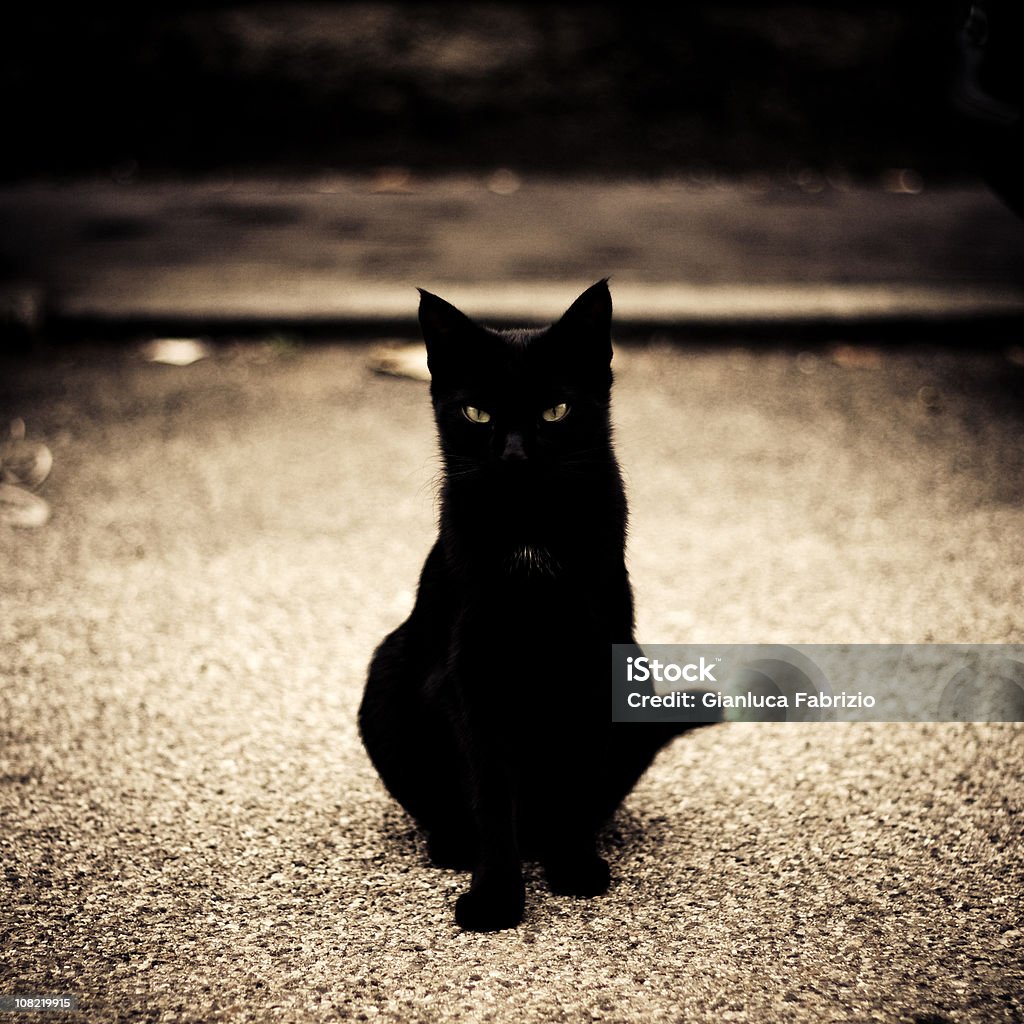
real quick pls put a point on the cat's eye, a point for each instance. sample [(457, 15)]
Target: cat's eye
[(475, 415), (555, 413)]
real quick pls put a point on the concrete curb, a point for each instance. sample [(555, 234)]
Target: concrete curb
[(354, 305), (266, 255), (368, 301)]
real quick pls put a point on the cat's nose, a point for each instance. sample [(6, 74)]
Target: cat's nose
[(514, 450)]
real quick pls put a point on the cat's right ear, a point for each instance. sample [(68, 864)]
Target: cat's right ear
[(444, 329)]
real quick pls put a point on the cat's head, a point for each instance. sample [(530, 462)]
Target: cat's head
[(526, 401)]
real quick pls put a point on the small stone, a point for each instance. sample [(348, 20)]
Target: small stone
[(175, 351), (19, 507), (401, 361), (25, 462), (504, 182)]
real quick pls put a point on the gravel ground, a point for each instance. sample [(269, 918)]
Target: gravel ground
[(191, 831)]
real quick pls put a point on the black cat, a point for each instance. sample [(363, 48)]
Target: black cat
[(487, 712)]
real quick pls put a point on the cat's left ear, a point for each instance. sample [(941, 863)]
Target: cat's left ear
[(440, 320), (589, 321), (446, 331)]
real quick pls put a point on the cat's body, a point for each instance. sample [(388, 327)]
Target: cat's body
[(487, 712)]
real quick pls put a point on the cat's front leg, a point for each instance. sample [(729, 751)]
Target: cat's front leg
[(494, 901), (568, 847), (496, 896)]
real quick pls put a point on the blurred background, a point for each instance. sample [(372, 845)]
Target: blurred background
[(203, 167), (641, 88)]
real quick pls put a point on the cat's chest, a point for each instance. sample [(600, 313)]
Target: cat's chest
[(533, 594), (528, 560)]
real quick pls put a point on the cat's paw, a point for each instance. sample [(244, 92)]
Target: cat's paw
[(490, 908), (584, 875), (452, 851)]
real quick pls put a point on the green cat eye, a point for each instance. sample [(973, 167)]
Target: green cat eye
[(475, 415), (555, 413)]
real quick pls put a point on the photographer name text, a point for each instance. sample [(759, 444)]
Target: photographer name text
[(651, 670)]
